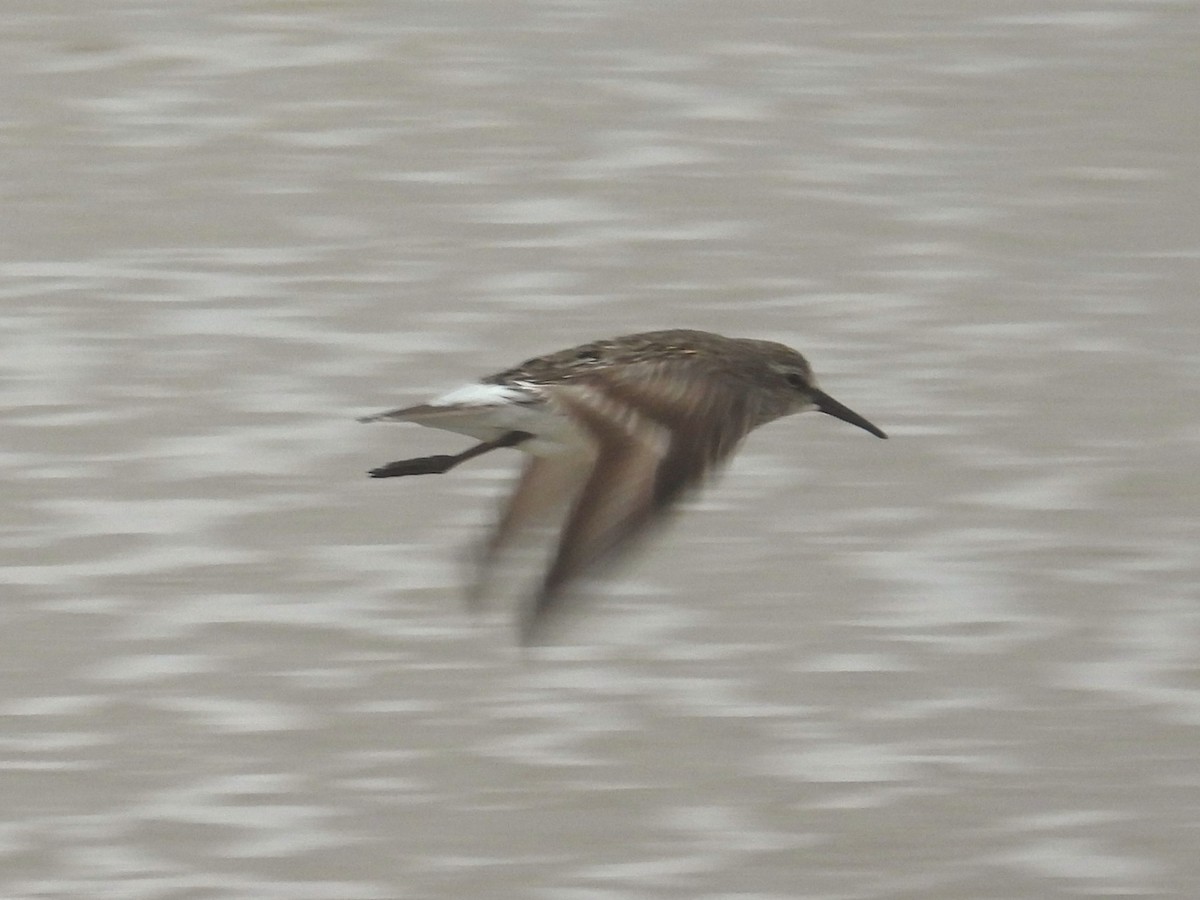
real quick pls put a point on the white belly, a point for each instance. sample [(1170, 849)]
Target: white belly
[(486, 412)]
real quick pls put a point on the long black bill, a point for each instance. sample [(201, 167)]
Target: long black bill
[(831, 407)]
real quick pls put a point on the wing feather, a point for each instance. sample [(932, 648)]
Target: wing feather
[(659, 430), (545, 487)]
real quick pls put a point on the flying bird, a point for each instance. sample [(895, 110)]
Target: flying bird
[(616, 431)]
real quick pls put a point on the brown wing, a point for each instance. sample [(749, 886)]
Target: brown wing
[(659, 429), (546, 485)]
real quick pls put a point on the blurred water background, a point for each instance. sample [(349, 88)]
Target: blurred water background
[(964, 663)]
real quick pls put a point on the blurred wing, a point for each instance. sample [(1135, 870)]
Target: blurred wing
[(546, 485), (658, 428)]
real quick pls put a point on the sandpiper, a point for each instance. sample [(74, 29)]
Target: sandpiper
[(616, 431)]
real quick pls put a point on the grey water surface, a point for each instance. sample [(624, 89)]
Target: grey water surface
[(962, 663)]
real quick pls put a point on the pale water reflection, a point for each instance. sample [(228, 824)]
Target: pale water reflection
[(960, 663)]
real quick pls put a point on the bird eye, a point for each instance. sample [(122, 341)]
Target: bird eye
[(796, 380)]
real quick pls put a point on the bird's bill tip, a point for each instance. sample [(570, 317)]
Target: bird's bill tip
[(831, 407)]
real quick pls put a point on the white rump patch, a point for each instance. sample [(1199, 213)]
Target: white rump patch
[(481, 395)]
